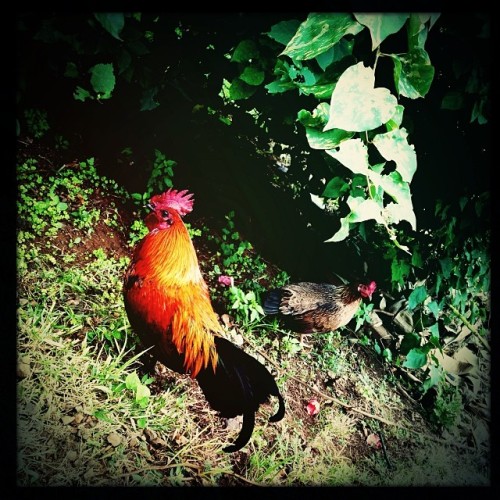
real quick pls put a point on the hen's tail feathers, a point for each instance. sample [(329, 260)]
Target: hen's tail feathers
[(239, 385), (272, 301)]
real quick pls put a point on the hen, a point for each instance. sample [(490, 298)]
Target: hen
[(168, 305), (316, 307)]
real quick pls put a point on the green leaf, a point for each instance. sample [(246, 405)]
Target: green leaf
[(446, 265), (279, 86), (80, 94), (397, 118), (435, 376), (434, 330), (245, 51), (410, 341), (335, 188), (340, 50), (381, 25), (356, 104), (112, 22), (342, 233), (142, 422), (417, 31), (453, 100), (252, 75), (102, 415), (434, 308), (137, 48), (416, 358), (417, 296), (124, 61), (71, 70), (142, 395), (238, 89), (394, 146), (317, 118), (318, 33), (326, 140), (103, 80), (132, 381), (396, 212), (413, 73), (284, 31), (353, 154), (325, 58), (320, 91), (400, 269), (364, 209), (148, 99), (416, 258)]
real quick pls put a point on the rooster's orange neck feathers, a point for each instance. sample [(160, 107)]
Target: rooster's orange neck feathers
[(177, 296)]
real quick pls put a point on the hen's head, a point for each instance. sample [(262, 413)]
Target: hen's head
[(366, 291), (180, 201)]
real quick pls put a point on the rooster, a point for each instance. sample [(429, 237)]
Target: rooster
[(316, 307), (168, 305)]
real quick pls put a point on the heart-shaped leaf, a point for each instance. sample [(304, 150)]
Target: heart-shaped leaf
[(413, 73), (318, 33), (353, 154), (394, 146), (381, 25), (356, 104)]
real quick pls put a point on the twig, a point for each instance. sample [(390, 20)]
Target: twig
[(470, 326), (383, 311), (187, 466), (326, 396), (384, 449), (357, 410)]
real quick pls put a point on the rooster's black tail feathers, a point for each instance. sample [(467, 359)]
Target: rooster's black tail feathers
[(239, 385)]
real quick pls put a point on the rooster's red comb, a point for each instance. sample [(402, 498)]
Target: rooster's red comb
[(181, 201)]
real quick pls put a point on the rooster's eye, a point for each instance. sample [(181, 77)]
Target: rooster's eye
[(164, 214)]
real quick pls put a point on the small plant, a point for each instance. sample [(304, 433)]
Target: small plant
[(61, 143), (447, 406), (247, 308), (159, 180), (137, 231), (36, 122)]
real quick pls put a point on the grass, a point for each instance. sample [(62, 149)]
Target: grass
[(90, 414)]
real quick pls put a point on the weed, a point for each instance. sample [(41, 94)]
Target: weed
[(160, 178), (36, 122)]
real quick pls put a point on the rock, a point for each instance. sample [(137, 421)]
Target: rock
[(23, 370), (114, 439)]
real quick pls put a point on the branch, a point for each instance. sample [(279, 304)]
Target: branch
[(470, 326)]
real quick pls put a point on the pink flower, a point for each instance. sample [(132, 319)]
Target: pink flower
[(312, 406), (226, 280), (374, 441)]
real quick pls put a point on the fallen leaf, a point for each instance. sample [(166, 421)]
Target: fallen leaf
[(226, 320), (67, 419), (481, 432), (234, 424), (114, 439)]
